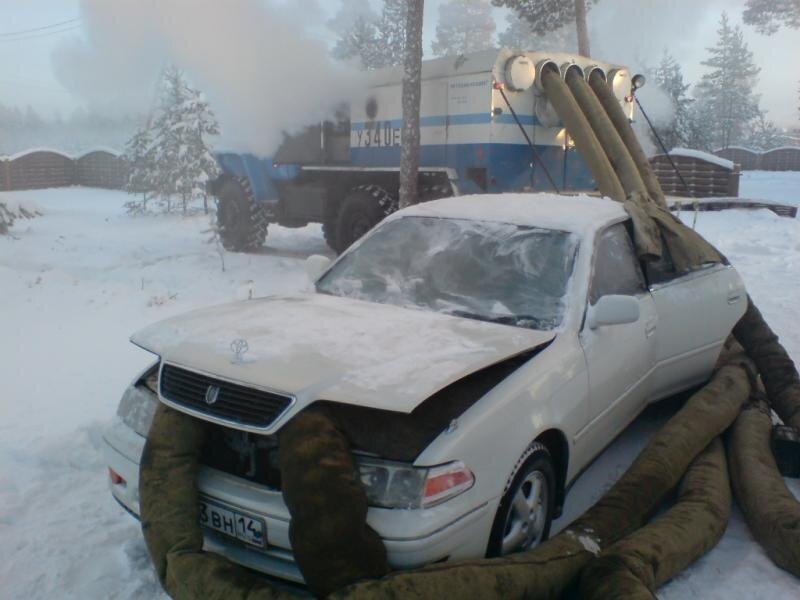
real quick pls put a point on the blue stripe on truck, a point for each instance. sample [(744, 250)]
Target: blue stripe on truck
[(507, 164)]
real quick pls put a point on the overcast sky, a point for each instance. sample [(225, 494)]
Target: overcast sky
[(623, 31)]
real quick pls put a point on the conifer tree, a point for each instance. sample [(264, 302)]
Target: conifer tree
[(356, 28), (668, 76), (411, 98), (550, 15), (360, 40), (767, 16), (519, 34), (180, 158), (377, 41), (141, 167), (726, 102), (464, 26), (763, 134), (392, 32)]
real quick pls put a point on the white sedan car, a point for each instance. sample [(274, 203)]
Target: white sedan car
[(478, 351)]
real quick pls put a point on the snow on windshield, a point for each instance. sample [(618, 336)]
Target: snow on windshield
[(490, 271)]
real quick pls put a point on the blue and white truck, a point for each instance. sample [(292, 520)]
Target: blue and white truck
[(485, 127)]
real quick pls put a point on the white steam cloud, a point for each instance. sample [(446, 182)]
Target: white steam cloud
[(259, 66)]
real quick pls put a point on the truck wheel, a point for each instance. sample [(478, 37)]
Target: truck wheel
[(329, 232), (525, 513), (434, 192), (363, 208), (241, 221)]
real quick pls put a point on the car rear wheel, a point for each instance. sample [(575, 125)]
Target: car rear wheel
[(525, 513)]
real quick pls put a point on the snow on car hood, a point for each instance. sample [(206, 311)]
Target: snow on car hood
[(315, 346)]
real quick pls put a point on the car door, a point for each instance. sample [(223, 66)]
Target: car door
[(619, 358), (696, 312)]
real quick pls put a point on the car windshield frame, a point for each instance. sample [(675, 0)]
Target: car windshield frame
[(511, 246)]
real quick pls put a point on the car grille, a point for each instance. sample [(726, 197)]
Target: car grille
[(235, 404)]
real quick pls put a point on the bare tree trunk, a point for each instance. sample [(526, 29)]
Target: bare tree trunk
[(412, 91), (582, 27)]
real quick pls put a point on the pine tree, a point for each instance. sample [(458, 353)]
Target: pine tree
[(518, 34), (356, 27), (768, 15), (464, 26), (550, 15), (392, 33), (725, 98), (183, 161), (377, 41), (360, 41), (411, 97), (763, 134), (348, 13), (668, 76), (10, 211), (141, 167)]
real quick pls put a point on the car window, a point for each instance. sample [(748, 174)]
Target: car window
[(661, 270), (615, 270), (499, 272)]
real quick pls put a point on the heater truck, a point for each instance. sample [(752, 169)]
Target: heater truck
[(486, 127)]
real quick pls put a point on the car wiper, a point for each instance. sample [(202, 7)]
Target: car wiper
[(530, 321), (470, 315)]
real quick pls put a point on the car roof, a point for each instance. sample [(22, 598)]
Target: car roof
[(579, 213)]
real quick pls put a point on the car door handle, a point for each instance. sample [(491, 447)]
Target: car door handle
[(734, 297), (650, 327)]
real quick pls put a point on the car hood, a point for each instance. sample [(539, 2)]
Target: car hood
[(316, 346)]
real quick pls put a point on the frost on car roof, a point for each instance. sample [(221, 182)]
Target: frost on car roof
[(575, 214)]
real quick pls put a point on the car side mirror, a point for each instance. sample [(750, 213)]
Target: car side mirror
[(316, 265), (613, 310)]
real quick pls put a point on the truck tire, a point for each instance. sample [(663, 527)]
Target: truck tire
[(329, 227), (363, 208), (526, 509), (241, 221), (435, 192)]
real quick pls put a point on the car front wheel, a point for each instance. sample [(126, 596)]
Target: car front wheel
[(525, 513)]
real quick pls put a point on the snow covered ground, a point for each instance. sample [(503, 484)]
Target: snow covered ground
[(80, 279), (781, 186)]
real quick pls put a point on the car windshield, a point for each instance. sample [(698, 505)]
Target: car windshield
[(495, 272)]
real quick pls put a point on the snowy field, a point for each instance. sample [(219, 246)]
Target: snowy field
[(770, 185), (76, 282)]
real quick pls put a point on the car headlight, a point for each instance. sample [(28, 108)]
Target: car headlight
[(400, 485), (139, 401)]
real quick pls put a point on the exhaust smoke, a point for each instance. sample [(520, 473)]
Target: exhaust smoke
[(259, 64)]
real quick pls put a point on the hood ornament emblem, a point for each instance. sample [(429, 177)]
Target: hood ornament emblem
[(212, 393), (239, 347)]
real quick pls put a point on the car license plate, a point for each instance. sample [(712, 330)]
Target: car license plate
[(233, 522)]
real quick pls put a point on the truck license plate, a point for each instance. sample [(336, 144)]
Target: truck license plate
[(233, 523)]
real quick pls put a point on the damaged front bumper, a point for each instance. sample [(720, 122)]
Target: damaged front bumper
[(458, 528)]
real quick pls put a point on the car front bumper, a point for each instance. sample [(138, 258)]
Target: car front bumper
[(452, 530)]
